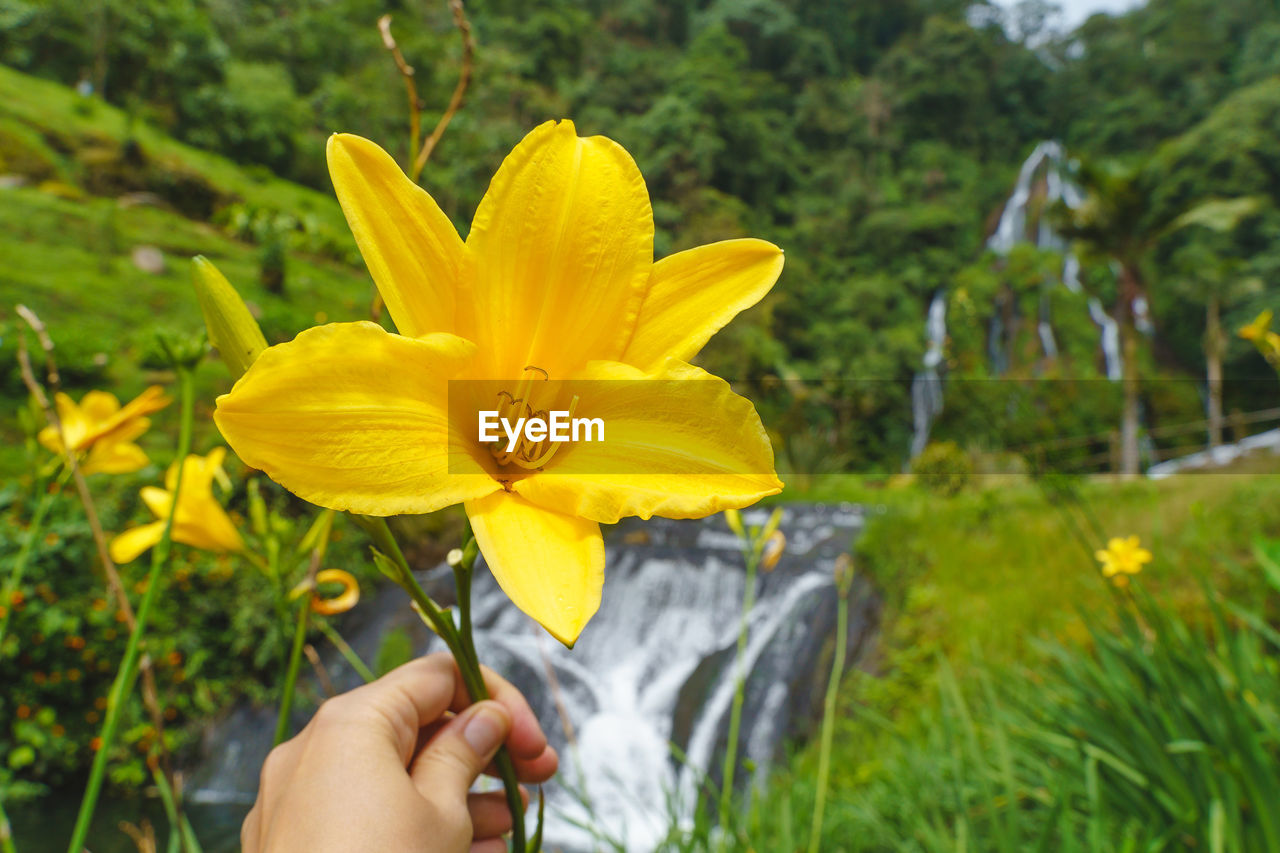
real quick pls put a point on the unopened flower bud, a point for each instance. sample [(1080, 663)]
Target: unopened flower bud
[(232, 330), (844, 573), (773, 548), (734, 519)]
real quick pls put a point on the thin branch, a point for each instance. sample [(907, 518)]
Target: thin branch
[(406, 72), (459, 91), (150, 695), (322, 676)]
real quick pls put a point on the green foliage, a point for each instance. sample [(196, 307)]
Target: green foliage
[(396, 649), (943, 468)]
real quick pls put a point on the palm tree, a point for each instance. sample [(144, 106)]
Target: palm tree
[(1115, 221), (1111, 222)]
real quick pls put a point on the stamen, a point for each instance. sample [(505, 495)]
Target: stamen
[(526, 454)]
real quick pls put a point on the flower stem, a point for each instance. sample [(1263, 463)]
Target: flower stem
[(828, 719), (291, 674), (28, 544), (460, 646), (128, 672), (751, 552), (6, 832), (344, 647)]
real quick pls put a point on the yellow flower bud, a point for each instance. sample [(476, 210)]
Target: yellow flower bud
[(734, 519), (773, 548), (232, 329)]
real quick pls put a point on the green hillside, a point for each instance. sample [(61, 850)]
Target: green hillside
[(86, 188)]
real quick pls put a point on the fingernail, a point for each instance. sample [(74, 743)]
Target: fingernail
[(484, 730)]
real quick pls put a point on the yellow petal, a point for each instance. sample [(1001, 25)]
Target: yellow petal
[(353, 418), (343, 601), (75, 426), (551, 565), (411, 248), (99, 406), (126, 547), (115, 457), (159, 501), (693, 294), (682, 447), (562, 245), (204, 524)]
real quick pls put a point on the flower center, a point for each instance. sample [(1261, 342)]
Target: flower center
[(524, 404)]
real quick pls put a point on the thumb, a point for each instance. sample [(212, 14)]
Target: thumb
[(458, 754)]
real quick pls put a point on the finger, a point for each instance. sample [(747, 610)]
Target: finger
[(393, 708), (489, 845), (490, 816), (250, 828), (444, 771), (532, 770), (527, 739)]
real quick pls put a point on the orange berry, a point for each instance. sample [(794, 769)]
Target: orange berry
[(99, 604), (39, 677), (58, 731), (100, 703), (73, 674), (24, 711), (95, 744), (91, 717), (174, 658), (170, 713)]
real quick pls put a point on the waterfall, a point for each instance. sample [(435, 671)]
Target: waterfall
[(1011, 230), (926, 387), (655, 667)]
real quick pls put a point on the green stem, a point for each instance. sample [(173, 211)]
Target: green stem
[(28, 544), (181, 835), (344, 647), (828, 720), (468, 665), (291, 674), (128, 672), (752, 555), (6, 832)]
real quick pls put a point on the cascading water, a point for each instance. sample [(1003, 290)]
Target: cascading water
[(1048, 158), (1012, 229), (926, 387), (655, 667)]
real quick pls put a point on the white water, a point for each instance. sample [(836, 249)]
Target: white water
[(1011, 230), (926, 387)]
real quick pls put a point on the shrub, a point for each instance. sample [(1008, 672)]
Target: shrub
[(943, 468)]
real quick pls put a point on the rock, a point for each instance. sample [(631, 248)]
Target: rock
[(149, 259)]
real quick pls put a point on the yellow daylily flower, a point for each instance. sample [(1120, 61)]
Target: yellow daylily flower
[(200, 520), (99, 426), (556, 280), (1122, 557), (1257, 327)]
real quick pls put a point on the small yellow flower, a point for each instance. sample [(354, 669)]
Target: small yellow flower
[(200, 521), (555, 280), (100, 427), (1122, 557), (1256, 329)]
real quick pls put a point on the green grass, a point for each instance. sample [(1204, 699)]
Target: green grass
[(1005, 705), (67, 253)]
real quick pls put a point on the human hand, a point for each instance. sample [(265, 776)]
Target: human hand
[(386, 768)]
